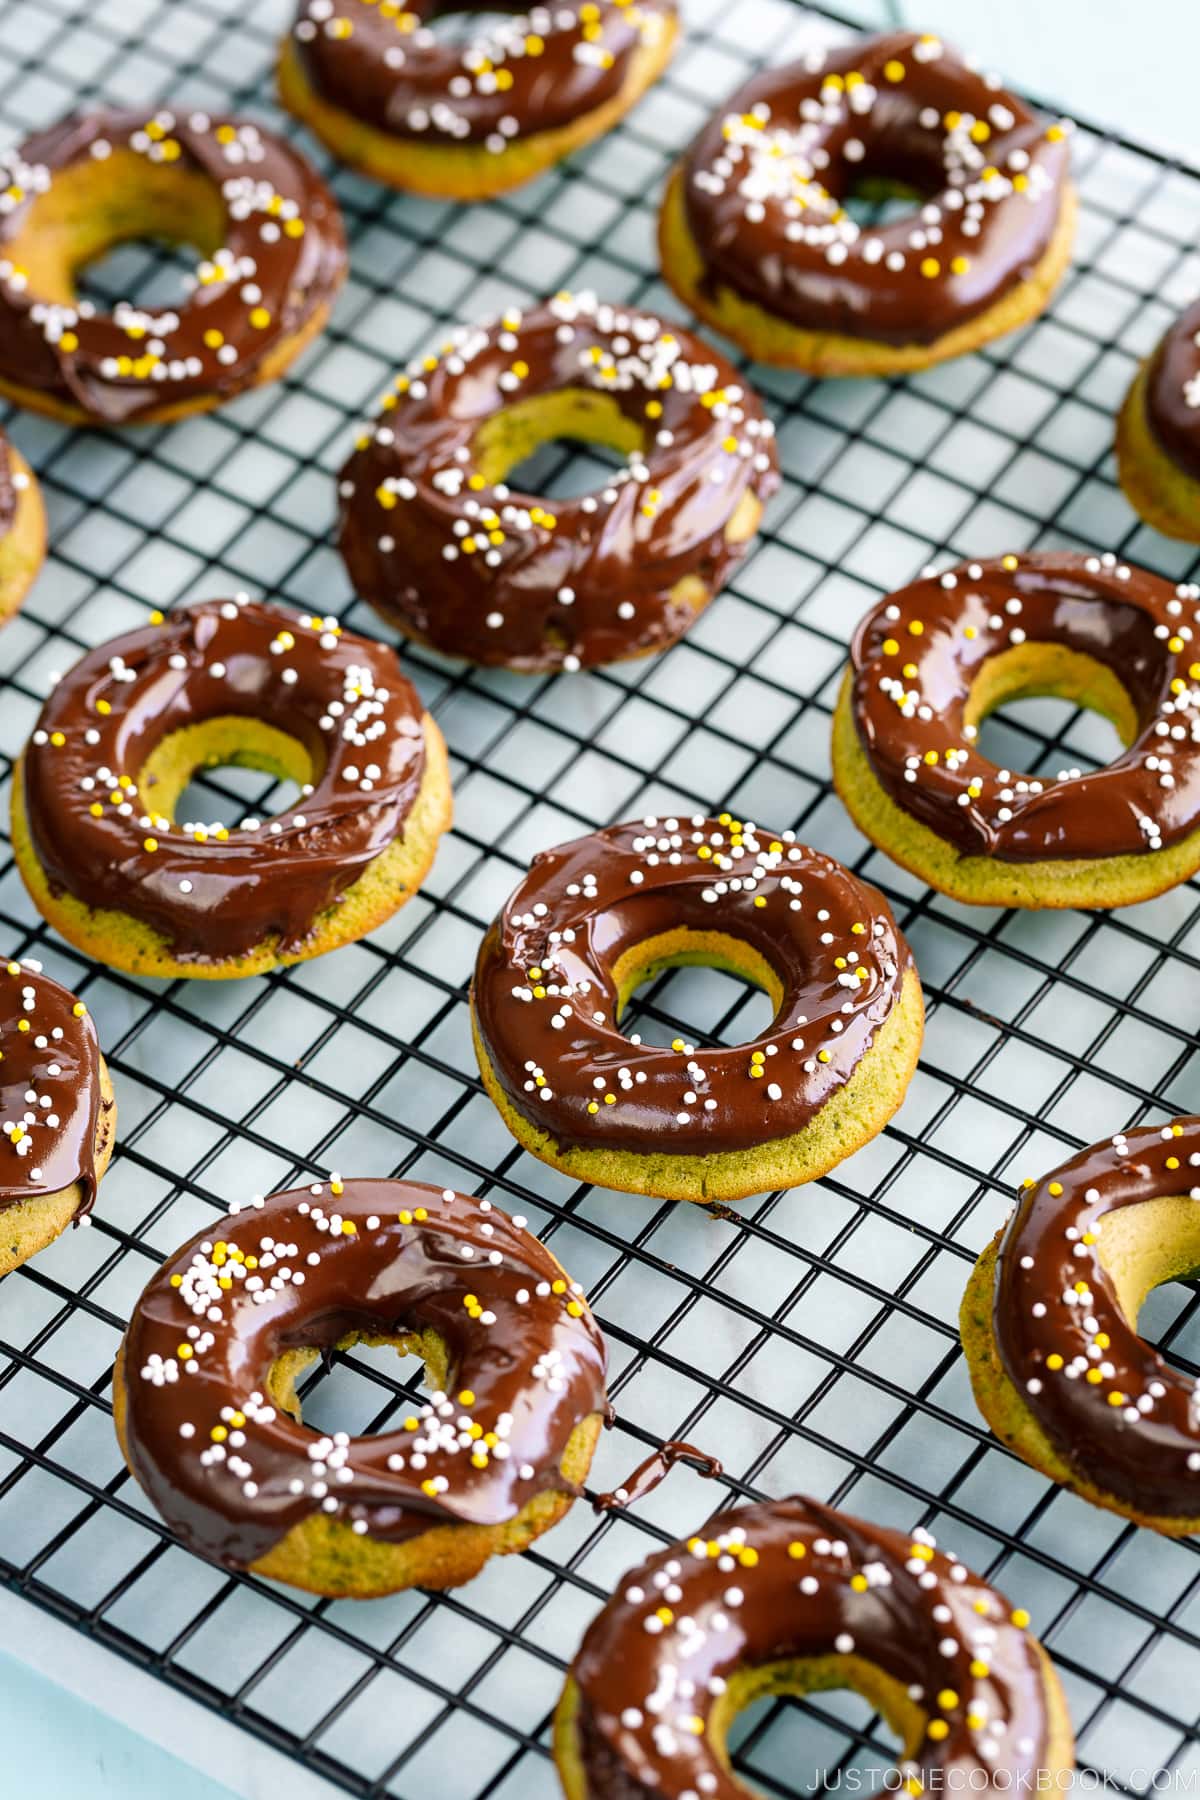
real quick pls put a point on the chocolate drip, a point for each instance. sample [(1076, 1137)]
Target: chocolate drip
[(794, 1579), (50, 1094), (215, 891), (1173, 391), (1123, 1419), (232, 1474), (651, 1473), (829, 940), (915, 658), (282, 256), (390, 70), (767, 177), (447, 550)]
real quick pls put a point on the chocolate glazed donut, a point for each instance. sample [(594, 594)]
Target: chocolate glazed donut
[(929, 663), (468, 117), (206, 1408), (1158, 433), (434, 537), (274, 256), (756, 234), (596, 918), (788, 1597), (94, 829), (22, 528), (1049, 1325), (57, 1111)]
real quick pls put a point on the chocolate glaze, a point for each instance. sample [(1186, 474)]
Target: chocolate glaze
[(586, 903), (530, 1362), (1140, 626), (392, 71), (256, 291), (50, 1096), (216, 892), (789, 148), (779, 1583), (651, 1474), (554, 583), (1144, 1448), (1173, 391)]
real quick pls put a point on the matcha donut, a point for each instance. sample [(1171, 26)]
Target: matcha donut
[(1158, 433), (208, 1417), (437, 540), (792, 1597), (468, 119), (273, 257), (756, 236), (930, 662), (57, 1110), (228, 682), (595, 919), (1049, 1326), (22, 528)]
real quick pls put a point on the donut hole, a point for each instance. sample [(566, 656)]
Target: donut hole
[(453, 24), (178, 781), (1145, 1246), (367, 1378), (1050, 683), (862, 1698), (726, 981), (534, 445), (93, 208)]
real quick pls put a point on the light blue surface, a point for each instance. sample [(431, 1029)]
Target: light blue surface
[(59, 1748)]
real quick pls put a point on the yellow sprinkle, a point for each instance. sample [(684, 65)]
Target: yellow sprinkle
[(890, 647), (893, 70), (915, 628), (1020, 1618), (947, 1699), (938, 1728), (466, 1398), (79, 1009), (1056, 1188), (1116, 1398), (1054, 1360), (260, 318), (218, 1434), (150, 844), (930, 267), (980, 1669)]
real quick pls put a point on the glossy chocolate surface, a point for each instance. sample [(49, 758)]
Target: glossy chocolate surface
[(232, 1475), (282, 256), (767, 180), (50, 1096), (830, 939), (1173, 392), (794, 1579), (536, 71), (916, 656), (498, 576), (653, 1471), (1118, 1413), (215, 890)]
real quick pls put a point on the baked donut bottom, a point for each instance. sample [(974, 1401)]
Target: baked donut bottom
[(1153, 1242), (30, 1225), (980, 880), (462, 171), (851, 1116), (810, 1675), (768, 338), (325, 1555), (1166, 496), (23, 546), (122, 941)]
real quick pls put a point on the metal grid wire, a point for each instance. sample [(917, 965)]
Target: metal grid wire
[(807, 1337)]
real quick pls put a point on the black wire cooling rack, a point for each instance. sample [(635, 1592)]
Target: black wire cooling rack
[(808, 1338)]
